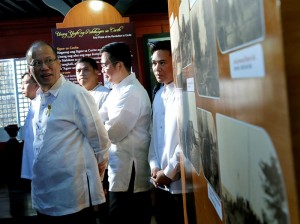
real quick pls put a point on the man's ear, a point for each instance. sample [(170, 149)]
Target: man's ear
[(32, 76), (119, 64), (59, 62)]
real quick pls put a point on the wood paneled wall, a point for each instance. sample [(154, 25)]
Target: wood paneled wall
[(16, 36), (272, 102)]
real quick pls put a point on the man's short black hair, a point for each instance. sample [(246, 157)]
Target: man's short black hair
[(90, 61), (27, 73), (24, 74), (160, 45), (36, 44), (118, 52)]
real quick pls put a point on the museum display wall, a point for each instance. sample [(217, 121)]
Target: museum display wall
[(235, 67)]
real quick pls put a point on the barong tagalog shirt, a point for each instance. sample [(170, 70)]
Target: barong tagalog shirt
[(127, 116), (69, 142), (99, 94), (164, 151)]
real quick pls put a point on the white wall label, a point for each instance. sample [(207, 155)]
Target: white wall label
[(190, 84), (247, 63), (213, 197)]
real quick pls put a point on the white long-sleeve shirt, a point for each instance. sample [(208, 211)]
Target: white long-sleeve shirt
[(164, 152), (99, 94), (69, 142), (28, 155), (127, 116)]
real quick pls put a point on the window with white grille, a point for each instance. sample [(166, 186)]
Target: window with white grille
[(13, 105)]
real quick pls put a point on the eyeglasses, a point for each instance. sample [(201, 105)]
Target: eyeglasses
[(105, 65), (39, 64), (27, 82)]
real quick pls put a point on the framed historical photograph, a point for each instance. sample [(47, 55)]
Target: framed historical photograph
[(252, 182), (239, 23), (205, 52)]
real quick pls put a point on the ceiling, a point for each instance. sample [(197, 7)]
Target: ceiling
[(28, 9)]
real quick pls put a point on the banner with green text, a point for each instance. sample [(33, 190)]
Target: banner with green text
[(76, 42)]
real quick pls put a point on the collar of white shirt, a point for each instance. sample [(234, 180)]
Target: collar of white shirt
[(54, 90), (168, 90), (125, 81)]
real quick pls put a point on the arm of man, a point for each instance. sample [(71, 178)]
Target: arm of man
[(173, 169), (152, 157), (124, 118), (174, 164), (92, 127), (171, 172)]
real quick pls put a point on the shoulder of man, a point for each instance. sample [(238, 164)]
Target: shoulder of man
[(102, 88), (155, 89)]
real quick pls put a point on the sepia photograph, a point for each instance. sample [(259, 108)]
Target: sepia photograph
[(176, 53), (209, 148), (189, 130), (205, 49), (185, 33), (239, 23), (252, 183)]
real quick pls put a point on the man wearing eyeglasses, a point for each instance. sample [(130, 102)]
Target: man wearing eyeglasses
[(127, 115), (70, 144)]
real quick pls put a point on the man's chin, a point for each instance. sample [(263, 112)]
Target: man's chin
[(160, 80)]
